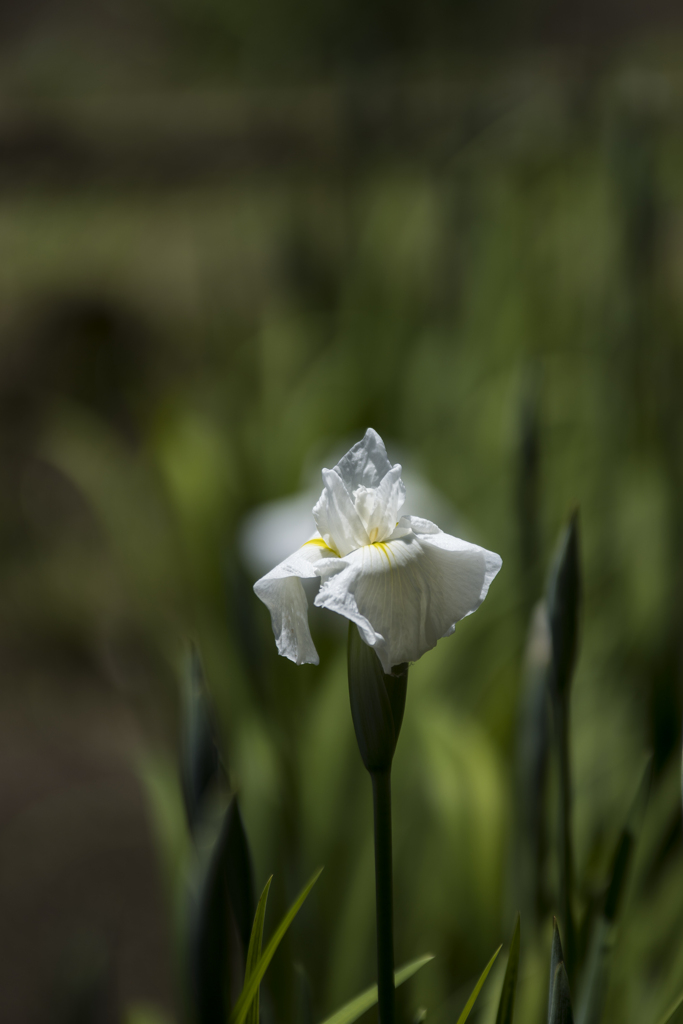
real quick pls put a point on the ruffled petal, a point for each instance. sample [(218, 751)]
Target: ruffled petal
[(361, 497), (336, 517), (366, 464), (282, 591), (378, 507), (407, 593)]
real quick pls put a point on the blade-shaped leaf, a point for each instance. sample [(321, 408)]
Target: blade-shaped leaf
[(595, 976), (564, 596), (239, 873), (255, 951), (561, 1007), (477, 988), (242, 1005), (200, 761), (356, 1008), (556, 957), (506, 1006), (217, 948), (533, 728), (672, 1009)]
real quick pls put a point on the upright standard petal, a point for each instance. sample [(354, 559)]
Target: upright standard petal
[(282, 591), (361, 497), (366, 464), (336, 517), (407, 593)]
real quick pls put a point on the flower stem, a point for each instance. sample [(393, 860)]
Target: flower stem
[(381, 798)]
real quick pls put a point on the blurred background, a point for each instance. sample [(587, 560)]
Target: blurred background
[(233, 236)]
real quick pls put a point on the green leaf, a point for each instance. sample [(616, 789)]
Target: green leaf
[(564, 596), (241, 1008), (254, 952), (593, 989), (216, 952), (672, 1009), (477, 988), (356, 1008), (556, 957), (506, 1006), (561, 1006), (199, 761), (533, 744)]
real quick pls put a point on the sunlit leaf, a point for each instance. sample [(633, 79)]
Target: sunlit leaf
[(672, 1009), (254, 952), (477, 988), (242, 1005), (354, 1009)]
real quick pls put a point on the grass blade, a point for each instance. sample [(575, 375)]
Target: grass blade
[(477, 988), (241, 1008), (254, 952), (506, 1006), (351, 1011)]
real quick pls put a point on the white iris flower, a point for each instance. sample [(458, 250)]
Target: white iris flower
[(403, 581)]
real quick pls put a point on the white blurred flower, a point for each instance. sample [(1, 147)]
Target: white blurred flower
[(403, 581)]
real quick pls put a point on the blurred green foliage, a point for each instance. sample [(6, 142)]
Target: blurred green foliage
[(498, 294)]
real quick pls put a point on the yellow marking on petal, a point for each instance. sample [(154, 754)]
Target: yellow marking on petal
[(373, 535), (320, 543), (384, 549)]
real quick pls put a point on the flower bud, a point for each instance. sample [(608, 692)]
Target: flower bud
[(377, 703)]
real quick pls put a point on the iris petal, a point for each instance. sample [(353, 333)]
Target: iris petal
[(361, 497), (407, 593), (281, 590)]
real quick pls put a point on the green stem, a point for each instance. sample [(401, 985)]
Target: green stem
[(381, 797)]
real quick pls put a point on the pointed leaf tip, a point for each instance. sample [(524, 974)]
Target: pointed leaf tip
[(564, 597), (561, 1006), (254, 952), (672, 1009), (477, 988), (354, 1009), (241, 1007), (506, 1006), (556, 957)]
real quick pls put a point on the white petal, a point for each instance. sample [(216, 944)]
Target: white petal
[(361, 497), (336, 516), (281, 590), (366, 464), (407, 593), (378, 507)]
